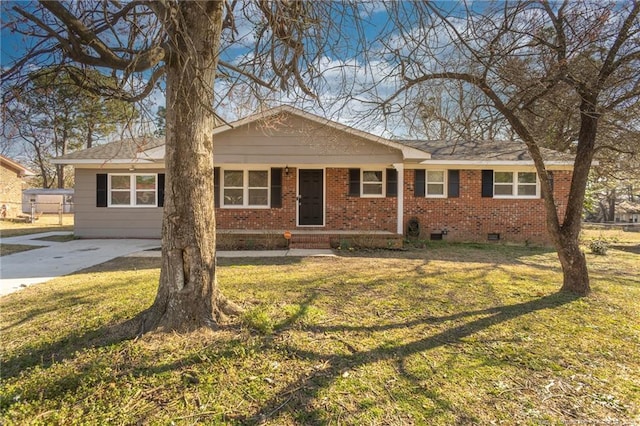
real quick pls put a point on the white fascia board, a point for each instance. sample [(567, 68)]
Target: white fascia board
[(128, 166), (492, 163), (409, 153), (103, 161)]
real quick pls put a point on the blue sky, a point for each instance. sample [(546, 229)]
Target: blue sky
[(374, 18), (350, 62)]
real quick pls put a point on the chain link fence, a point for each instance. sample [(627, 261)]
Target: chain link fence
[(31, 211)]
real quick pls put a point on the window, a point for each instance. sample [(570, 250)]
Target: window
[(515, 184), (245, 188), (434, 183), (372, 183), (133, 190)]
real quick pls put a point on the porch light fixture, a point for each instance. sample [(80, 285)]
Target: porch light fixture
[(132, 168), (286, 170)]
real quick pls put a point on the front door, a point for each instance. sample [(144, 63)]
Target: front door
[(310, 197)]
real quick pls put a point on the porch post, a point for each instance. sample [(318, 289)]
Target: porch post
[(400, 225)]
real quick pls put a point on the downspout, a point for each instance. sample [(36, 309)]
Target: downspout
[(400, 222)]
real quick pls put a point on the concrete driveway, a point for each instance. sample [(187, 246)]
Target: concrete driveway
[(55, 259), (35, 266)]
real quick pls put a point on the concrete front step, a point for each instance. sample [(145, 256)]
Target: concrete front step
[(318, 246), (310, 242)]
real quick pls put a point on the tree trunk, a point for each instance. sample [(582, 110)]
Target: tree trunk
[(89, 136), (188, 295), (612, 205), (574, 267), (60, 172), (60, 167), (566, 238)]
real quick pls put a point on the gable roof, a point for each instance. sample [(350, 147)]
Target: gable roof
[(151, 150), (18, 168), (408, 151)]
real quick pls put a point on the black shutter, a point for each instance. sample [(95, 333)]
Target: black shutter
[(453, 182), (160, 189), (419, 183), (392, 183), (276, 187), (101, 190), (216, 186), (354, 182), (487, 183)]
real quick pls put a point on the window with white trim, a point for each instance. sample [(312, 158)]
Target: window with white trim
[(245, 188), (133, 190), (515, 184), (372, 183), (434, 185)]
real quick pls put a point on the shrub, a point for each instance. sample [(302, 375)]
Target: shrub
[(599, 247)]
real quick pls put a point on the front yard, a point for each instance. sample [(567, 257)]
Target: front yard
[(450, 334), (46, 223)]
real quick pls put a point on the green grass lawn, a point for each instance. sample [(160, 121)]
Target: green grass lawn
[(450, 334), (46, 223), (7, 249)]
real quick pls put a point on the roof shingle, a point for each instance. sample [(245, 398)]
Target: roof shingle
[(125, 149), (483, 151)]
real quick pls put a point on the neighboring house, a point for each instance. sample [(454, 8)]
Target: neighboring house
[(12, 175), (627, 211), (47, 200), (285, 169)]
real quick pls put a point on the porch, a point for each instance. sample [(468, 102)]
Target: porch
[(240, 239)]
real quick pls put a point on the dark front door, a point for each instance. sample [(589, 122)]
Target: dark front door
[(310, 197)]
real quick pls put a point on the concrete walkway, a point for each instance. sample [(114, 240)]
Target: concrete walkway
[(254, 253), (54, 259)]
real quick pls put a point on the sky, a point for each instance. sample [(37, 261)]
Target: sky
[(350, 63), (342, 64), (353, 69)]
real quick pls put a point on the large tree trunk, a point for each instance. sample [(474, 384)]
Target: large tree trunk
[(566, 237), (188, 295), (574, 267)]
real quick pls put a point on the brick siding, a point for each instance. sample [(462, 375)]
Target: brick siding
[(10, 189), (471, 217), (467, 218), (347, 213), (342, 211)]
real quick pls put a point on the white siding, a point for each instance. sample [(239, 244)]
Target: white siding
[(294, 140), (110, 222)]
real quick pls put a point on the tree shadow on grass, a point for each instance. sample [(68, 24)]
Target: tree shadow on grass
[(629, 248), (300, 394), (468, 253), (114, 332), (299, 398), (53, 298), (46, 355)]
